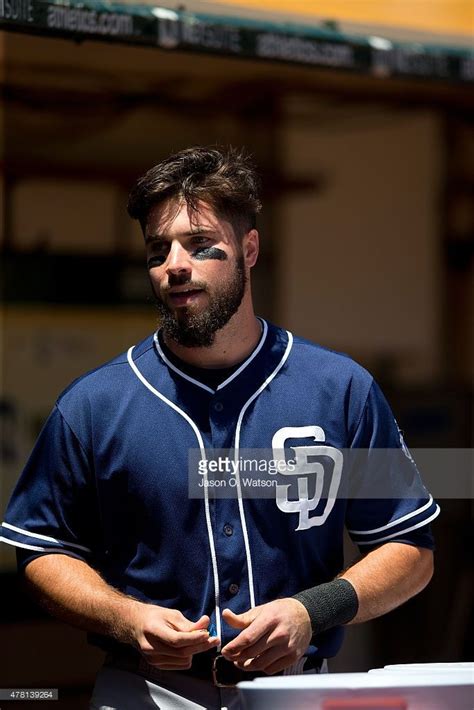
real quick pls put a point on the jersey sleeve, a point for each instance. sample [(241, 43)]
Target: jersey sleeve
[(388, 501), (53, 508)]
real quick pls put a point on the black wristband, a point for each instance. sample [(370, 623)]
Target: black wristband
[(329, 604)]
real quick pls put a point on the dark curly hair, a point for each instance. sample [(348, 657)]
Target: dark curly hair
[(222, 177)]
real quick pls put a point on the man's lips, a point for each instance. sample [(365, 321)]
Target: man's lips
[(184, 297)]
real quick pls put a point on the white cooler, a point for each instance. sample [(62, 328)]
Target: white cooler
[(383, 689), (426, 668)]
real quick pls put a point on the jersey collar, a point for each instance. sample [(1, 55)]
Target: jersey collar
[(233, 376)]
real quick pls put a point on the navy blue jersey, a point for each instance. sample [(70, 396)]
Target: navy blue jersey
[(107, 481)]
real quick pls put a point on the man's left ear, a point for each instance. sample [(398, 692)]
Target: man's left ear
[(250, 246)]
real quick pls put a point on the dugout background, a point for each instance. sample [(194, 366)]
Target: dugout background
[(367, 247)]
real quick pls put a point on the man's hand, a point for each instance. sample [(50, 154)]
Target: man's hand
[(168, 640), (76, 594), (274, 636)]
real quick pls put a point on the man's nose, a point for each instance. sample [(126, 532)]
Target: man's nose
[(178, 261)]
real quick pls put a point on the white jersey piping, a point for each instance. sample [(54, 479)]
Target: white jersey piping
[(394, 522), (237, 475), (176, 369), (236, 454), (401, 532), (44, 537), (250, 358), (242, 367), (193, 426), (24, 545)]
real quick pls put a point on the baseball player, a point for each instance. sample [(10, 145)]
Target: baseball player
[(189, 593)]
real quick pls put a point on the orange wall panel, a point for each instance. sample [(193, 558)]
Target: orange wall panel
[(438, 16)]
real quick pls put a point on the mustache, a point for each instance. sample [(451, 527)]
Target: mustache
[(198, 285)]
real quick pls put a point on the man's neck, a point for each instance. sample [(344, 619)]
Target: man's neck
[(232, 344)]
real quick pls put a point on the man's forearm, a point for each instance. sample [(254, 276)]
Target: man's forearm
[(388, 577), (381, 581), (75, 593)]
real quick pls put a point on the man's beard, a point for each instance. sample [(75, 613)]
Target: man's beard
[(199, 329)]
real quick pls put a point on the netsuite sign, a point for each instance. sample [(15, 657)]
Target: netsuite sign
[(173, 31)]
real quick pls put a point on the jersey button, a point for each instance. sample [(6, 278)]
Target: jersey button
[(233, 588), (218, 406), (228, 529)]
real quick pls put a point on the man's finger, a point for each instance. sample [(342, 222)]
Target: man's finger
[(256, 630), (250, 650), (267, 659), (179, 622), (279, 665), (181, 652), (207, 645), (239, 621), (200, 624), (168, 637), (178, 639)]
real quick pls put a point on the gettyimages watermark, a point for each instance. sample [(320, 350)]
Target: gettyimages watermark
[(321, 473)]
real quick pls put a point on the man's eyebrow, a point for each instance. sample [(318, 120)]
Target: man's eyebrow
[(159, 238), (154, 239), (199, 229)]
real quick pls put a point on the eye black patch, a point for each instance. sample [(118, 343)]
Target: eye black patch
[(209, 253)]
